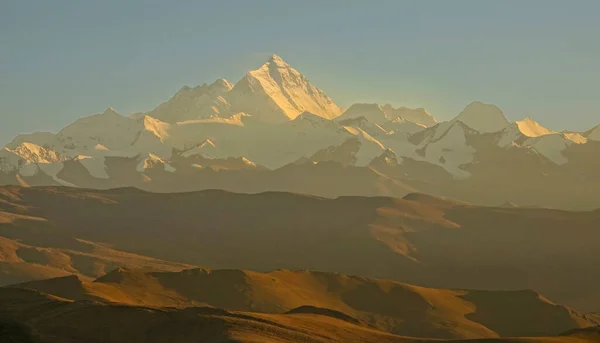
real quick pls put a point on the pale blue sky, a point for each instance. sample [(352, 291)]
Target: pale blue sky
[(63, 59)]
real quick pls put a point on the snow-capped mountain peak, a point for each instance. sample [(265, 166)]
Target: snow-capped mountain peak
[(34, 153), (531, 128), (110, 112), (517, 132), (276, 92), (277, 60)]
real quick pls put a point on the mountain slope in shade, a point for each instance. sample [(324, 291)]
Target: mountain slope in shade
[(109, 129), (388, 306), (484, 118), (373, 113), (418, 116), (424, 240), (402, 125)]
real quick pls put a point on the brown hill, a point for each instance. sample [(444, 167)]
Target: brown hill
[(382, 304), (49, 254), (31, 317), (420, 240)]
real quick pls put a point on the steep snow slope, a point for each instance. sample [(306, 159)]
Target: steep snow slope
[(372, 112), (450, 150), (418, 116), (531, 128), (152, 161), (307, 121), (369, 148), (516, 132), (39, 138), (399, 124), (205, 149), (36, 154), (528, 133), (271, 145), (553, 145), (27, 158), (109, 129), (194, 103), (575, 137), (364, 124), (403, 119)]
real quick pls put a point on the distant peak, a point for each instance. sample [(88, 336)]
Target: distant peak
[(478, 105), (482, 117), (366, 105), (389, 107), (372, 112), (221, 83), (366, 108), (275, 58), (532, 128), (313, 119), (528, 120), (110, 111)]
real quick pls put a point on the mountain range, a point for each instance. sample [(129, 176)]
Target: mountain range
[(274, 130)]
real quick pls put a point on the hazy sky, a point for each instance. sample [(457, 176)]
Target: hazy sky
[(63, 59)]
